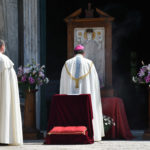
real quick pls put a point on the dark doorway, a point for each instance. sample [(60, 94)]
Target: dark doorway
[(129, 44)]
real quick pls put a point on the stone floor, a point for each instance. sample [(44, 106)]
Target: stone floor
[(135, 144), (103, 145)]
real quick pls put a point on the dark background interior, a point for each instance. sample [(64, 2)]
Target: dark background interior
[(130, 45)]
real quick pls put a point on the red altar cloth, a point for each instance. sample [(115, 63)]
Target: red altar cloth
[(70, 110), (114, 107)]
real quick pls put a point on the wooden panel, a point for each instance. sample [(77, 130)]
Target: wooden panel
[(93, 19), (107, 92), (95, 22), (70, 39), (108, 56)]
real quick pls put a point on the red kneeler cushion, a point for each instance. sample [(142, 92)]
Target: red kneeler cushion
[(68, 130), (69, 135)]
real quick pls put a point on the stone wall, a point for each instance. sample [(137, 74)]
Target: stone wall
[(9, 28), (31, 34)]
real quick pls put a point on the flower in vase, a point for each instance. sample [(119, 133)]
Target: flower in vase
[(46, 80), (31, 76), (147, 79), (23, 79), (31, 80), (27, 70), (144, 68), (39, 81), (143, 76), (41, 74), (134, 79), (141, 73), (34, 72), (20, 71), (19, 74), (108, 122), (43, 66), (142, 62), (148, 67)]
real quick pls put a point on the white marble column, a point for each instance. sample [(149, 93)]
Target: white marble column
[(31, 23), (31, 30)]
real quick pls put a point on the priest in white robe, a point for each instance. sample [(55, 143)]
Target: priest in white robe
[(79, 76), (10, 114)]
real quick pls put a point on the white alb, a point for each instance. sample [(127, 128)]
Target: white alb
[(10, 114), (79, 76)]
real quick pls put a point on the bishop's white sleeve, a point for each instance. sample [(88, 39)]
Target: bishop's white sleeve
[(62, 81), (97, 82), (96, 87)]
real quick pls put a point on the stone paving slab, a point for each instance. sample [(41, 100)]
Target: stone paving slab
[(102, 145)]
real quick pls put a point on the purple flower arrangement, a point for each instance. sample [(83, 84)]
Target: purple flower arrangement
[(143, 76), (31, 76)]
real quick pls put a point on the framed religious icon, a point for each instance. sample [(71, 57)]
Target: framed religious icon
[(95, 34), (93, 40)]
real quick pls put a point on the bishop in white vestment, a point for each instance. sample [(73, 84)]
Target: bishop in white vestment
[(10, 114), (79, 76)]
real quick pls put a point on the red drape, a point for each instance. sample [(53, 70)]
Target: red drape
[(114, 107), (76, 110), (70, 110)]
